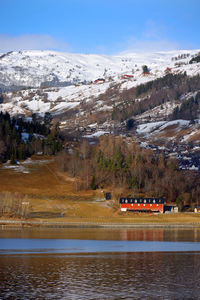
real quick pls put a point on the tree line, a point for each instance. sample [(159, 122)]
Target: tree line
[(154, 93), (20, 138), (116, 163), (188, 110)]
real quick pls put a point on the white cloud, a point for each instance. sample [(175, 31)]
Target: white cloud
[(151, 39), (31, 42), (153, 30), (148, 45)]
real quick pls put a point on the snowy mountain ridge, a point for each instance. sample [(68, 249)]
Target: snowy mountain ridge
[(37, 68)]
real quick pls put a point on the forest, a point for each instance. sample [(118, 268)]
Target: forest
[(154, 93), (188, 110), (119, 165), (20, 139)]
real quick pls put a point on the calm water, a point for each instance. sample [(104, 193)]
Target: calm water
[(100, 264)]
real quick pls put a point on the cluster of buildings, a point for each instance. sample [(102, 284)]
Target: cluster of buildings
[(123, 77), (149, 205), (186, 154)]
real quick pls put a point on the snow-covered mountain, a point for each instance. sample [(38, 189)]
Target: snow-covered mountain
[(66, 85), (40, 68)]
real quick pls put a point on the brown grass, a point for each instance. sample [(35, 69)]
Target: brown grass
[(52, 193), (48, 190), (44, 180), (171, 131), (195, 137)]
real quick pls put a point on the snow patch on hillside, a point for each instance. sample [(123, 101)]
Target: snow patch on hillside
[(159, 126)]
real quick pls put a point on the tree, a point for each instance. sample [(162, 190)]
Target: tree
[(179, 202), (145, 69), (130, 124), (93, 184), (47, 118), (2, 150), (34, 118), (1, 98)]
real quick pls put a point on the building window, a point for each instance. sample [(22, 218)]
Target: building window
[(135, 201), (126, 201), (145, 201)]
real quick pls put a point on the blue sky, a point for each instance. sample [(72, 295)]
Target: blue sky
[(99, 26)]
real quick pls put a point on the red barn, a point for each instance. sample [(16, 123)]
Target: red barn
[(142, 204)]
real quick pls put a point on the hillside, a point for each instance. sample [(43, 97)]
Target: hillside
[(159, 91), (146, 107), (42, 193), (40, 68), (70, 78)]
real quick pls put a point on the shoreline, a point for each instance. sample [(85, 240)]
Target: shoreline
[(5, 224)]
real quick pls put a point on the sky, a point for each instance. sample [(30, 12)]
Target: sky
[(99, 26)]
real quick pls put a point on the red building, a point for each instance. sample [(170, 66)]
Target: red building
[(147, 73), (142, 204), (99, 80), (126, 76), (168, 70)]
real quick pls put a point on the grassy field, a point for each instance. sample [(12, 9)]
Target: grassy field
[(53, 197), (52, 193)]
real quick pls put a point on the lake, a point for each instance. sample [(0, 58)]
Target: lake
[(100, 263)]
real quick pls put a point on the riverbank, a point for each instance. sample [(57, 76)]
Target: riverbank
[(156, 221)]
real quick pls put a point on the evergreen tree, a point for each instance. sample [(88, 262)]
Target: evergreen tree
[(93, 184), (145, 69), (130, 124)]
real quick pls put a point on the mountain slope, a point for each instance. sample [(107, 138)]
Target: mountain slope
[(36, 68), (65, 85)]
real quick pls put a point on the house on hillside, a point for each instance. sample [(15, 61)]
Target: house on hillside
[(168, 70), (99, 80), (126, 76)]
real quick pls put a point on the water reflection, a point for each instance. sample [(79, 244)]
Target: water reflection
[(151, 274), (13, 246), (130, 234), (101, 276)]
